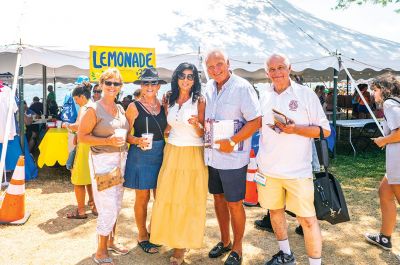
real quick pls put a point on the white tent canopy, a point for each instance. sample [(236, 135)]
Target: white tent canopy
[(248, 30)]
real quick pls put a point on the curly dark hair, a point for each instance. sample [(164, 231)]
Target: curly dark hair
[(389, 85), (195, 92), (82, 89)]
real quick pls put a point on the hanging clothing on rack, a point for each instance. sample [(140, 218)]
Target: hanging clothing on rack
[(4, 107)]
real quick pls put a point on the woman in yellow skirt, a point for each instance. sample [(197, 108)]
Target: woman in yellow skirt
[(80, 174), (179, 211)]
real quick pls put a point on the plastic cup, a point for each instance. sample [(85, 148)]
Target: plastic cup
[(121, 133), (59, 124), (149, 139)]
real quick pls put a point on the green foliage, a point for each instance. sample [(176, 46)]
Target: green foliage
[(343, 4)]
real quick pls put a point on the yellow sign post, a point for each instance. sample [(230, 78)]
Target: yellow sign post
[(130, 61)]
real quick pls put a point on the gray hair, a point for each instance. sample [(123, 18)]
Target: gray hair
[(279, 55), (216, 51)]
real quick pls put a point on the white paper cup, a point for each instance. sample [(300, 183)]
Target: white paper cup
[(149, 139), (121, 133), (59, 124)]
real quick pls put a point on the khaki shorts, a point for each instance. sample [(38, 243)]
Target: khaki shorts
[(296, 195)]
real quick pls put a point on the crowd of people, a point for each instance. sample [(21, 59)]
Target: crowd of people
[(167, 158), (358, 106)]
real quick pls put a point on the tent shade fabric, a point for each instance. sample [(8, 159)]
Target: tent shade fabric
[(248, 31)]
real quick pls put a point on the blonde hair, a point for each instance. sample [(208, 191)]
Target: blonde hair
[(110, 73)]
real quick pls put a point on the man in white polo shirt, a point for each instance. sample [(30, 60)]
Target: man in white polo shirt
[(284, 158)]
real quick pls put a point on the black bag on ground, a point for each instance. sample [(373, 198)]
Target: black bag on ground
[(329, 201)]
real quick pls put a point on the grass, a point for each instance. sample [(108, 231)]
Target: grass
[(62, 241)]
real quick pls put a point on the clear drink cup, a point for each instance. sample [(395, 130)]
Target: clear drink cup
[(149, 139)]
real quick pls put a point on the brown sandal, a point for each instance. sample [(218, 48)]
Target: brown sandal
[(76, 215)]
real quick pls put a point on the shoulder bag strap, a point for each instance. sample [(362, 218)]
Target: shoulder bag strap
[(393, 99), (144, 108)]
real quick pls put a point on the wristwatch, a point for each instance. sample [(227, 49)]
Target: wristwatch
[(231, 142)]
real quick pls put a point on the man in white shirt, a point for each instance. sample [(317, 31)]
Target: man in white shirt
[(284, 158)]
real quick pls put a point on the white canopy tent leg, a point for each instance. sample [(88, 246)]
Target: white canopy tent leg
[(9, 116)]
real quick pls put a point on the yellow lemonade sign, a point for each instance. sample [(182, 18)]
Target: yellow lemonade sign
[(129, 61)]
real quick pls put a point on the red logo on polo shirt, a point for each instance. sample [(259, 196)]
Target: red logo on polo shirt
[(293, 105)]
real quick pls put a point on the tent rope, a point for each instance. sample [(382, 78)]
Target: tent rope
[(362, 63), (300, 28)]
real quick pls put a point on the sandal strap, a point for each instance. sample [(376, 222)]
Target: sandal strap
[(146, 245), (103, 261)]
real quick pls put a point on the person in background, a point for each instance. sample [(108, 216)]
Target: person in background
[(182, 182), (52, 107), (145, 115), (80, 175), (137, 94), (362, 108), (354, 102), (320, 91), (387, 92), (107, 153), (32, 130), (96, 93), (125, 102), (329, 101), (36, 106), (51, 96), (229, 98)]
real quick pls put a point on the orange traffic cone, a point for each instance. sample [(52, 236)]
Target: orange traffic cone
[(12, 209), (251, 197)]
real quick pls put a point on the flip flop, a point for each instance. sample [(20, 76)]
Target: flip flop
[(119, 249), (76, 215), (107, 260), (147, 246)]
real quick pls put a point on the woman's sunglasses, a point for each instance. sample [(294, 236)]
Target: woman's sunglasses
[(182, 76), (150, 83), (109, 83), (97, 91)]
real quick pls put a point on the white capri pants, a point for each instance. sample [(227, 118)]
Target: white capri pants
[(108, 201)]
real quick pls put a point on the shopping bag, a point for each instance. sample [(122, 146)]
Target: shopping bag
[(329, 202)]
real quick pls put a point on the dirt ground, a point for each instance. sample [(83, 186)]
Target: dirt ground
[(49, 238)]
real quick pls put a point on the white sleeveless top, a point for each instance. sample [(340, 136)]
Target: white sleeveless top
[(182, 133)]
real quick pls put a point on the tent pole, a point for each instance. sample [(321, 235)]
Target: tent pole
[(21, 109), (9, 116), (44, 76), (54, 85), (347, 93), (335, 92)]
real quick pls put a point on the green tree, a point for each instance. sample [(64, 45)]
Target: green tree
[(343, 4)]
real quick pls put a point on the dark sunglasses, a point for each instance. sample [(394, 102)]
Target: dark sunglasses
[(182, 76), (109, 83), (97, 91), (150, 83)]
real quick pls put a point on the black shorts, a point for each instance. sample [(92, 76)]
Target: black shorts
[(230, 182)]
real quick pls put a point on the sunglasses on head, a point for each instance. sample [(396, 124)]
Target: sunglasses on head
[(150, 83), (109, 83), (182, 76), (97, 91)]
